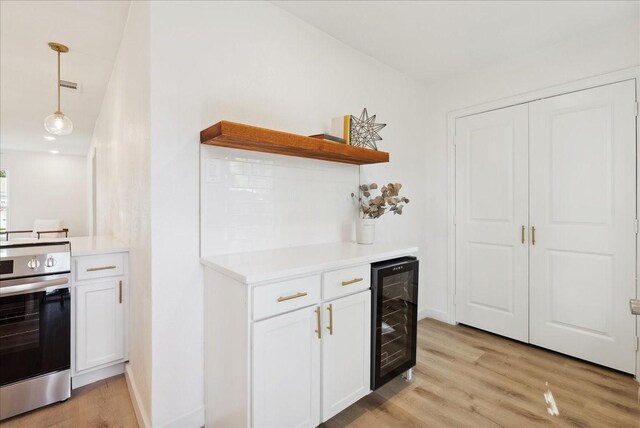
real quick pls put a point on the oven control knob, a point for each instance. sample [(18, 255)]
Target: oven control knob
[(51, 262), (33, 263)]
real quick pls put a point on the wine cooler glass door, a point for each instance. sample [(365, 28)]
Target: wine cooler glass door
[(396, 321)]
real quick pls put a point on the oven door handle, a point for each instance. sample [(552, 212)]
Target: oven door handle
[(34, 287)]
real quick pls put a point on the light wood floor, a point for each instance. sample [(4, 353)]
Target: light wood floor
[(468, 378), (464, 378), (104, 404)]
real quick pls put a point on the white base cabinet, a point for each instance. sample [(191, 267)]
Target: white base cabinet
[(99, 317), (346, 352), (289, 353), (286, 370), (99, 323)]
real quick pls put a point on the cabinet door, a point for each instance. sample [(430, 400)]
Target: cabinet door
[(286, 370), (492, 220), (346, 352), (583, 208), (99, 323)]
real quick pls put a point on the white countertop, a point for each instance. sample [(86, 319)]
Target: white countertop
[(88, 245), (259, 266), (82, 245)]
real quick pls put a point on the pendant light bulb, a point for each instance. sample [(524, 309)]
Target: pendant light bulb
[(57, 123)]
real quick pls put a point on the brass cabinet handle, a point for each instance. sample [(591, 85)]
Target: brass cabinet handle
[(120, 292), (330, 326), (522, 237), (318, 330), (353, 281), (293, 296), (533, 235), (100, 268)]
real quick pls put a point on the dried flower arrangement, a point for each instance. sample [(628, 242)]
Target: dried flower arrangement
[(389, 200)]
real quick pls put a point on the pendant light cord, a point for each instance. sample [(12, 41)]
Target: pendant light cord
[(59, 82)]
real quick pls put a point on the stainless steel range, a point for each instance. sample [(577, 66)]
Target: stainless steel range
[(35, 325)]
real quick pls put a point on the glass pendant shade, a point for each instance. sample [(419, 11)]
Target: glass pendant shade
[(58, 124)]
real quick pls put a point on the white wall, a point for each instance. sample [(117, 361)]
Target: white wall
[(46, 186), (255, 201), (583, 56), (255, 63), (122, 146)]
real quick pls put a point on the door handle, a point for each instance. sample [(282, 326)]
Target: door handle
[(634, 304), (120, 292), (522, 234), (330, 326), (533, 235), (27, 287), (318, 329)]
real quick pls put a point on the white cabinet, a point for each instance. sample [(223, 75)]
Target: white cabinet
[(298, 354), (100, 308), (346, 352), (286, 370), (286, 353), (99, 323)]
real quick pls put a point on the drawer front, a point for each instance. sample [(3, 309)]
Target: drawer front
[(346, 281), (101, 266), (273, 299)]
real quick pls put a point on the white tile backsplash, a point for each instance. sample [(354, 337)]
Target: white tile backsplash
[(254, 201)]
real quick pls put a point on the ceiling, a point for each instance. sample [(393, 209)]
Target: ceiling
[(428, 40), (432, 40), (28, 73)]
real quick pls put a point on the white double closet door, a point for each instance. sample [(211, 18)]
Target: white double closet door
[(546, 223)]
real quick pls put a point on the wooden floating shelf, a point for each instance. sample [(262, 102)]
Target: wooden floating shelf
[(246, 137)]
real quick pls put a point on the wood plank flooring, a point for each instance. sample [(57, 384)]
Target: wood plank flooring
[(466, 377), (104, 404)]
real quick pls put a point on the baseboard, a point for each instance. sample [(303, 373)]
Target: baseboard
[(436, 314), (141, 415), (96, 375), (194, 419)]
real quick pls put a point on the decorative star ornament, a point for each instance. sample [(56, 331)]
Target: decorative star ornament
[(364, 130)]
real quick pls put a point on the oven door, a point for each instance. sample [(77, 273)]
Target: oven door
[(35, 328)]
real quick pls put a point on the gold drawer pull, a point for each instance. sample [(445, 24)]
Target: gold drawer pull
[(293, 296), (330, 326), (100, 268), (353, 281)]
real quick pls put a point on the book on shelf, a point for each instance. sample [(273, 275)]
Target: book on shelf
[(341, 127), (329, 138)]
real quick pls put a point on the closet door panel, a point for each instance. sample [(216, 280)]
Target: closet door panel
[(491, 210), (583, 205)]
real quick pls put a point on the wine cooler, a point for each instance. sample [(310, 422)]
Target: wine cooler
[(394, 291)]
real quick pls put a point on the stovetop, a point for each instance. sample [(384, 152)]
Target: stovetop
[(32, 242)]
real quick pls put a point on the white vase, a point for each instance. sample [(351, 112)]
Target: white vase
[(365, 230)]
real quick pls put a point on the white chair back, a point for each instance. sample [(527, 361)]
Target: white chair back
[(45, 225)]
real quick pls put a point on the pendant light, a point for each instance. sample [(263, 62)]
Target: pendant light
[(57, 123)]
